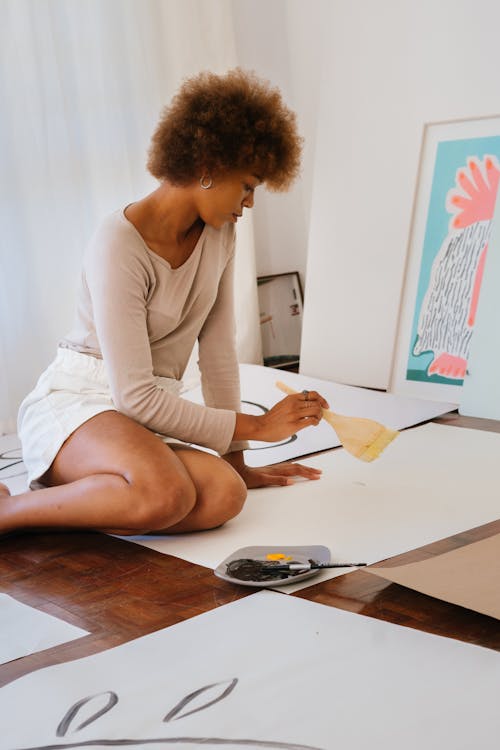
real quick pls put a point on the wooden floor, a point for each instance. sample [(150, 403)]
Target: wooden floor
[(118, 591)]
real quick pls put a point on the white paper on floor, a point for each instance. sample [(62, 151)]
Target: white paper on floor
[(259, 393), (25, 630), (267, 671), (431, 482), (12, 470)]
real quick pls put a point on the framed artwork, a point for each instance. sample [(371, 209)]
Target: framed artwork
[(480, 395), (450, 230), (281, 312)]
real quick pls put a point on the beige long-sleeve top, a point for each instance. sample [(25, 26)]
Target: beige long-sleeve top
[(142, 317)]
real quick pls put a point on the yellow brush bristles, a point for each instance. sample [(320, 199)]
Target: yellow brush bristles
[(374, 450), (362, 438)]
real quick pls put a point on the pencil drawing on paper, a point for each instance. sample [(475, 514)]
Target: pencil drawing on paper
[(89, 709)]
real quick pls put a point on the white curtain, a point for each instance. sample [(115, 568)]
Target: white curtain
[(82, 83)]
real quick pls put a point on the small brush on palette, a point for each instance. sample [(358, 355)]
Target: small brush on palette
[(264, 566), (246, 569)]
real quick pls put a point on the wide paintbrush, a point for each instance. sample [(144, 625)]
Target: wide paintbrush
[(363, 438)]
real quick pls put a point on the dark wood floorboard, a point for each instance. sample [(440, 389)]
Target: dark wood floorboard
[(119, 591)]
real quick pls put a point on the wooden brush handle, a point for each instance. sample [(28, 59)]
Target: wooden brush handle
[(330, 416), (340, 423), (285, 388)]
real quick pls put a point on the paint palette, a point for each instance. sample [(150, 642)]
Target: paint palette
[(302, 554)]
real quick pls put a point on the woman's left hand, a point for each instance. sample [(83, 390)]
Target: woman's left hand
[(278, 474), (268, 476)]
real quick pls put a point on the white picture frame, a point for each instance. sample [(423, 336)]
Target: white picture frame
[(451, 223)]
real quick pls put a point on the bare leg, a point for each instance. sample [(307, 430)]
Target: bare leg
[(220, 491), (112, 474)]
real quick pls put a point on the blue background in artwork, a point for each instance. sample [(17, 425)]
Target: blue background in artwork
[(450, 156)]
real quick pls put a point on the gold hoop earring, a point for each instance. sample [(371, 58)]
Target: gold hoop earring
[(205, 185)]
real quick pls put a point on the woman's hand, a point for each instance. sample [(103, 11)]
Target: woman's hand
[(277, 475), (287, 417), (268, 476)]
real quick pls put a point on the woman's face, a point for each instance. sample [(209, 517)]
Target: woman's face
[(225, 200)]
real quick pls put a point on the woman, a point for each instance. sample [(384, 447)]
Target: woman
[(104, 432)]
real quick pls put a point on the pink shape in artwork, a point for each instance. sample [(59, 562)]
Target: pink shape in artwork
[(478, 203), (448, 366), (477, 287)]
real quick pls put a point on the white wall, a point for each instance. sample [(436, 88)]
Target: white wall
[(282, 41), (390, 66), (81, 88), (363, 77)]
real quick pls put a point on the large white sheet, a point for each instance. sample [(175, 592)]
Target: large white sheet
[(267, 671), (259, 392), (431, 482), (25, 630)]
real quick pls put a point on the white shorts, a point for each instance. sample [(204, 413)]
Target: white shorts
[(72, 390)]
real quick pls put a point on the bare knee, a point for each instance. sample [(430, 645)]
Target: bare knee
[(236, 495), (161, 502), (226, 497)]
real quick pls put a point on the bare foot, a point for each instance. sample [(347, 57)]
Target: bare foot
[(4, 490)]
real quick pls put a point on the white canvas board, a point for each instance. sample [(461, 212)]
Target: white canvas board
[(266, 671), (25, 630), (259, 392), (431, 482)]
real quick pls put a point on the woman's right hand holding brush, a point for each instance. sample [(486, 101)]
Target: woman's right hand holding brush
[(287, 417)]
